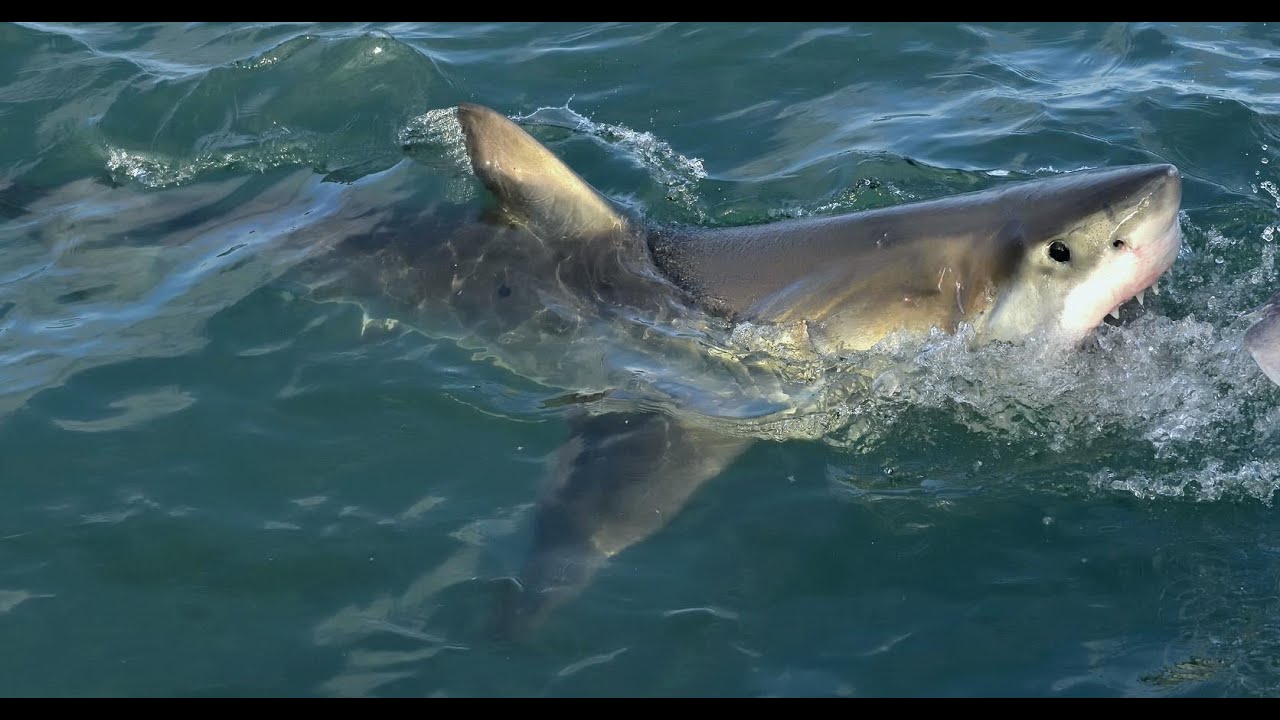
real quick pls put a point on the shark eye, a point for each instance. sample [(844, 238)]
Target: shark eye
[(1060, 252)]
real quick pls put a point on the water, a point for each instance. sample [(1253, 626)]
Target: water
[(217, 481)]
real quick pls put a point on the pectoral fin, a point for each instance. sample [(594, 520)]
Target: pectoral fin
[(620, 478)]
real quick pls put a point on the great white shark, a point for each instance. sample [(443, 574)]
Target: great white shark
[(1044, 261)]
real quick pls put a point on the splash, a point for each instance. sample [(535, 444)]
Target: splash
[(1213, 480), (435, 139), (679, 174), (155, 170)]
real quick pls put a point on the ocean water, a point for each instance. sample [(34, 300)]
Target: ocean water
[(227, 469)]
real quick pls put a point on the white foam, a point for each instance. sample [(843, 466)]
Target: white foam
[(155, 170), (10, 599), (680, 174), (1212, 480), (438, 129)]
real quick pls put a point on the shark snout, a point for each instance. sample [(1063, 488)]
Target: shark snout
[(1147, 241), (1166, 193), (1142, 206), (1153, 233)]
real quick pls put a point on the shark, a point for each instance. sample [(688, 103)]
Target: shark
[(568, 286)]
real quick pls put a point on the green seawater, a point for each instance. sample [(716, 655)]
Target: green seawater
[(215, 482)]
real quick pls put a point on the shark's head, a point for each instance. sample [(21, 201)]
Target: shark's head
[(1084, 244), (1047, 259)]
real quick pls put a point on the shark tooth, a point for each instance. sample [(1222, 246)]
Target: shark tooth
[(1139, 296)]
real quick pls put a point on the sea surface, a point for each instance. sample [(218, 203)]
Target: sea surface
[(228, 469)]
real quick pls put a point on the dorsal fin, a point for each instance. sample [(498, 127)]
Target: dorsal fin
[(531, 184)]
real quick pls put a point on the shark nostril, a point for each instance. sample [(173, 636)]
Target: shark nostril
[(1118, 244)]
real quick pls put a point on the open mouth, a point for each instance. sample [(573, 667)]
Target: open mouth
[(1126, 311), (1156, 259)]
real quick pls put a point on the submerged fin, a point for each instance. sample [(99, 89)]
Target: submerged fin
[(620, 478), (530, 183), (1263, 339)]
